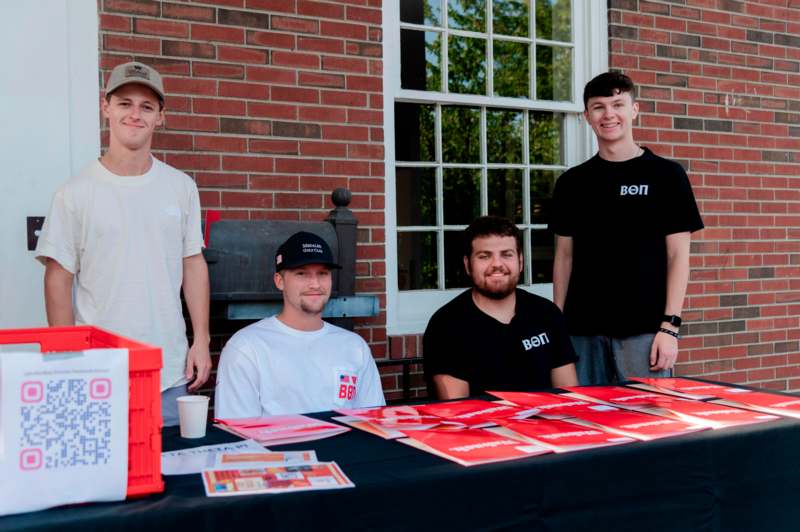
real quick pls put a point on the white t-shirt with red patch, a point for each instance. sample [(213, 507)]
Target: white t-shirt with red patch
[(269, 368)]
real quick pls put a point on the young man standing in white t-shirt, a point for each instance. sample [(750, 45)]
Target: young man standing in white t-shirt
[(295, 362), (126, 233)]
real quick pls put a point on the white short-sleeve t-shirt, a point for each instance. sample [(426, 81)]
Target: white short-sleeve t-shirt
[(124, 238), (269, 368)]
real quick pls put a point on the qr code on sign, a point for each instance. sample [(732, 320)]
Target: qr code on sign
[(65, 423)]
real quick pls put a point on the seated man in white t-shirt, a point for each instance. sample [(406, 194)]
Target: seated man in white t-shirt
[(295, 362)]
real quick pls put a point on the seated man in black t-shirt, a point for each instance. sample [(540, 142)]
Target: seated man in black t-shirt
[(495, 336)]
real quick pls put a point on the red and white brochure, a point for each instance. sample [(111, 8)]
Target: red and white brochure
[(559, 435), (708, 413), (686, 388), (689, 410), (279, 479), (471, 447), (393, 417), (547, 405), (278, 430), (634, 424), (473, 413), (772, 403), (616, 395)]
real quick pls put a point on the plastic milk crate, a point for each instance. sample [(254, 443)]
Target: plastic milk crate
[(144, 402)]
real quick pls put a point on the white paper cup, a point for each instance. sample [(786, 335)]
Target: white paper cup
[(193, 414)]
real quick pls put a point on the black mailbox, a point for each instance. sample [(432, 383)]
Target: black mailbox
[(241, 254)]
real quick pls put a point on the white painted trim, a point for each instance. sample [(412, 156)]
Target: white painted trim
[(84, 90), (408, 312)]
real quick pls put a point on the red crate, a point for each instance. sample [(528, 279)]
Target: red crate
[(144, 399)]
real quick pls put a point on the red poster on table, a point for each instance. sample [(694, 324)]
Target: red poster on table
[(634, 424), (547, 405), (471, 447), (473, 413), (561, 436)]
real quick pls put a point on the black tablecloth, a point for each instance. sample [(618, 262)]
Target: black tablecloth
[(745, 478)]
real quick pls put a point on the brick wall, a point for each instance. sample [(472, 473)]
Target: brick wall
[(271, 104), (720, 92)]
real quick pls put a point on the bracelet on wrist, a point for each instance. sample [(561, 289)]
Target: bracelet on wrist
[(669, 332)]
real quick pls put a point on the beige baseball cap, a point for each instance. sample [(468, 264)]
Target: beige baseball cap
[(135, 72)]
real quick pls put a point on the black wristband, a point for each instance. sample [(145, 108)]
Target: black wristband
[(669, 332)]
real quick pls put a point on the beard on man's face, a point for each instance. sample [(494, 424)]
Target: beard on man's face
[(497, 291)]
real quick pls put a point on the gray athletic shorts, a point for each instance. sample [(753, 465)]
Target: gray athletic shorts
[(169, 404), (606, 360)]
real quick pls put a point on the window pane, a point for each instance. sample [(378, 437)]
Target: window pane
[(416, 261), (466, 15), (511, 72), (416, 196), (542, 182), (414, 132), (467, 64), (542, 252), (553, 73), (553, 20), (454, 274), (461, 197), (545, 132), (461, 134), (504, 136), (420, 63), (426, 12), (504, 188), (511, 17)]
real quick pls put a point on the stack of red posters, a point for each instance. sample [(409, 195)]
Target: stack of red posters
[(277, 430), (686, 388), (470, 447), (387, 421), (772, 403), (695, 412), (544, 404), (473, 413), (634, 424), (560, 436)]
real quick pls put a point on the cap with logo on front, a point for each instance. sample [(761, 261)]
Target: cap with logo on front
[(135, 72), (304, 248)]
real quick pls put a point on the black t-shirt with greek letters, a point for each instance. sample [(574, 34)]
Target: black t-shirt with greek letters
[(618, 215), (468, 344)]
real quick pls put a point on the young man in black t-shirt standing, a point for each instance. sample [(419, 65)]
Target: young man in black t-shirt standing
[(495, 336), (623, 221)]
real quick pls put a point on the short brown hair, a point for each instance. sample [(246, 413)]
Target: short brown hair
[(608, 84), (490, 226)]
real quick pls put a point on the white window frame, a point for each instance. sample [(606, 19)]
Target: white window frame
[(408, 312)]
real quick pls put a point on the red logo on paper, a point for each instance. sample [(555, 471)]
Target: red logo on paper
[(30, 459), (32, 392), (100, 388)]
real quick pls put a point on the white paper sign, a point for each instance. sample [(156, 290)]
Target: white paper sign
[(196, 459), (63, 428)]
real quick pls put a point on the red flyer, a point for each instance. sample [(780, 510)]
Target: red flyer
[(616, 395), (277, 430), (634, 424), (319, 476), (710, 414), (547, 405), (471, 447), (473, 413), (687, 388), (393, 417), (773, 403), (560, 436)]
